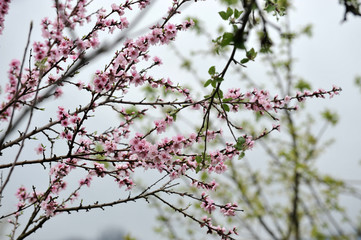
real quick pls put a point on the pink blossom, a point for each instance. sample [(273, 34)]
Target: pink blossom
[(157, 60), (123, 23), (69, 136), (4, 8), (49, 206), (74, 119), (128, 182), (35, 196), (207, 204), (40, 149), (134, 53), (229, 209), (86, 181), (64, 122), (110, 146), (160, 126), (60, 170), (99, 170), (58, 92), (94, 42), (20, 205), (57, 186), (21, 194)]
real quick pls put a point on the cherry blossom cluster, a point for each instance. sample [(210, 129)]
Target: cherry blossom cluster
[(207, 203), (208, 186), (229, 209), (222, 231), (320, 93), (161, 124), (209, 206), (4, 8), (130, 54), (262, 101), (26, 198), (58, 49), (160, 155)]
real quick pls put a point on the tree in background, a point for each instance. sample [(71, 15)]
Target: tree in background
[(290, 198), (73, 152)]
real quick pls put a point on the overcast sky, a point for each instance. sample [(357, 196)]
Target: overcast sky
[(331, 56)]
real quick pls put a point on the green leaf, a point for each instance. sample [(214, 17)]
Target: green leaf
[(241, 155), (209, 81), (227, 99), (41, 64), (174, 116), (220, 93), (225, 107), (198, 159), (240, 144), (230, 2), (237, 13), (229, 12), (244, 60), (223, 15), (43, 61), (218, 79), (251, 54), (227, 38), (270, 8), (212, 70)]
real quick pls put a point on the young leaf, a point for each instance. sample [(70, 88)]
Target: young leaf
[(209, 81), (244, 60), (270, 8), (218, 79), (225, 107), (227, 99), (251, 54), (241, 155), (240, 144), (229, 12), (227, 38), (237, 13), (212, 70), (220, 93), (198, 159), (223, 15)]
